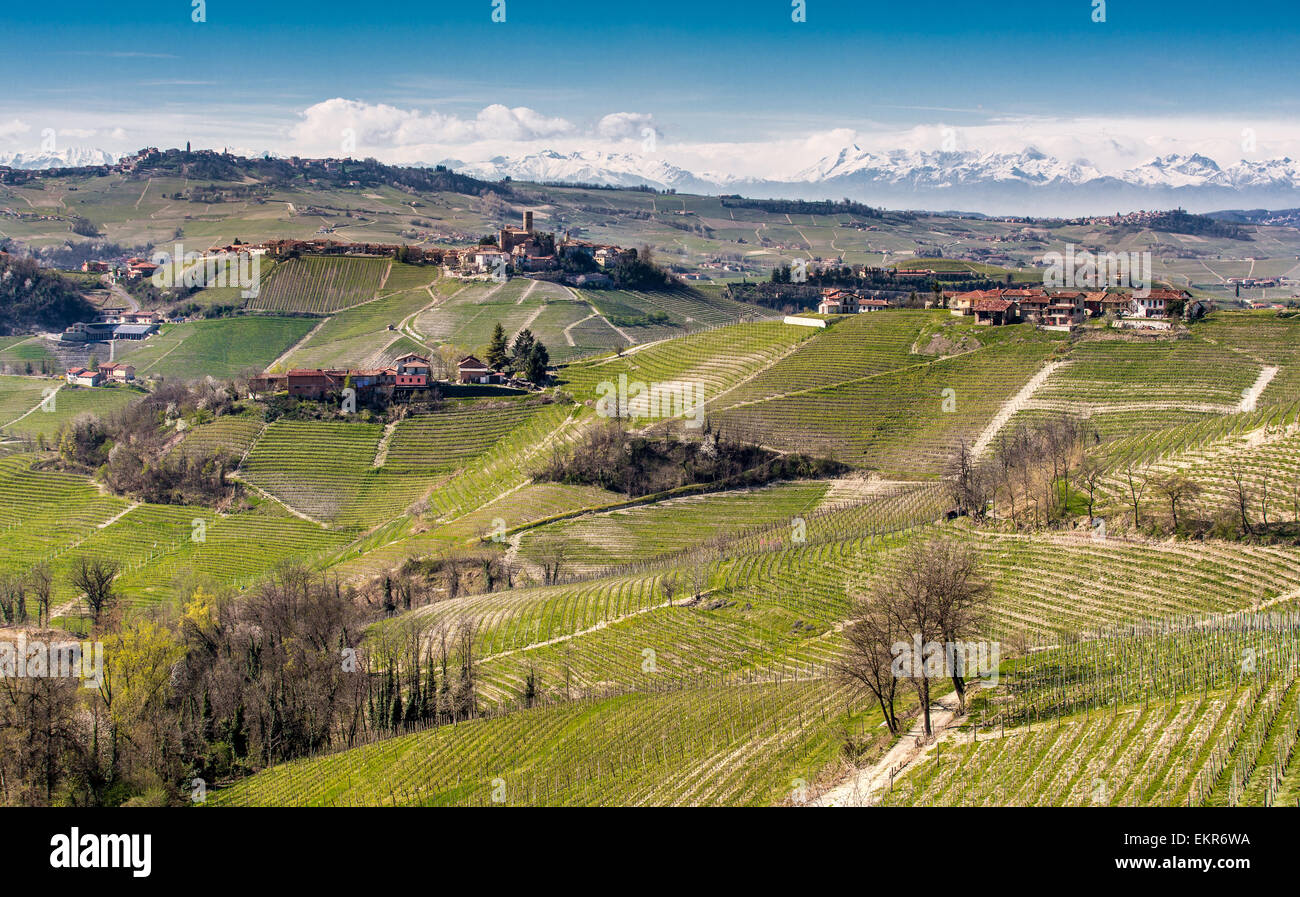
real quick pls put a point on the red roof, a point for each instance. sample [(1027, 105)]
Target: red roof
[(992, 305)]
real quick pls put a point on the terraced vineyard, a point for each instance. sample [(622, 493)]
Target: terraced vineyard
[(642, 533), (906, 423), (716, 360), (1209, 730), (20, 396), (68, 403), (1128, 386), (724, 745), (321, 284)]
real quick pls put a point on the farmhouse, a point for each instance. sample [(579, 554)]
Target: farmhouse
[(838, 302), (117, 372), (138, 267), (1156, 303), (994, 311), (471, 370), (411, 371), (314, 384), (82, 377)]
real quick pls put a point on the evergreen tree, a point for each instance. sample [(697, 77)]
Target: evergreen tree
[(519, 351), (535, 364), (498, 353)]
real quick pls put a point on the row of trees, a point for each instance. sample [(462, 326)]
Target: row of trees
[(526, 356), (1048, 472), (1029, 473)]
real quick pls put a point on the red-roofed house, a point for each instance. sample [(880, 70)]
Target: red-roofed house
[(412, 371), (838, 302), (82, 377), (117, 372), (471, 370), (994, 311)]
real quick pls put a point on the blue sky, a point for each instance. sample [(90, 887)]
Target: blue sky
[(129, 73)]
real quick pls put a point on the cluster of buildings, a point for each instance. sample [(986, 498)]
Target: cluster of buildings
[(408, 375), (114, 323), (519, 249), (108, 372), (1063, 309), (131, 269), (1057, 309)]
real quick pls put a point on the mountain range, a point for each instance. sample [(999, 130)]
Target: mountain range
[(1029, 182), (72, 157)]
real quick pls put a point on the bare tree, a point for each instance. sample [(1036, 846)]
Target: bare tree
[(1177, 488), (1263, 496), (932, 598), (552, 561), (668, 585), (868, 662), (41, 581), (1135, 490), (93, 577), (1091, 472), (1240, 493), (961, 597)]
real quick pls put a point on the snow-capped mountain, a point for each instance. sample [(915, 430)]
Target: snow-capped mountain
[(71, 157), (945, 169), (591, 167), (1027, 182)]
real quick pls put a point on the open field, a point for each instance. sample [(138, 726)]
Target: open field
[(224, 347)]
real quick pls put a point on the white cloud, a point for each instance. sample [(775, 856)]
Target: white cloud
[(626, 125), (382, 130), (9, 130)]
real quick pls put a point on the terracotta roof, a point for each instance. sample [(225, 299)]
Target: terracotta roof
[(992, 305)]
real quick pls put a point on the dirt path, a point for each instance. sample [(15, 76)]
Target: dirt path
[(865, 788), (621, 332), (408, 327), (116, 517), (1011, 406), (36, 407), (529, 323), (528, 292), (122, 295), (381, 453), (568, 331), (284, 357), (290, 508), (1251, 396)]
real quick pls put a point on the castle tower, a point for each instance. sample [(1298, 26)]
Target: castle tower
[(528, 221)]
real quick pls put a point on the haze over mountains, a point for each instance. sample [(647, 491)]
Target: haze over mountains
[(1028, 182)]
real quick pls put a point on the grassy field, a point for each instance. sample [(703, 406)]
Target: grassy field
[(224, 347)]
